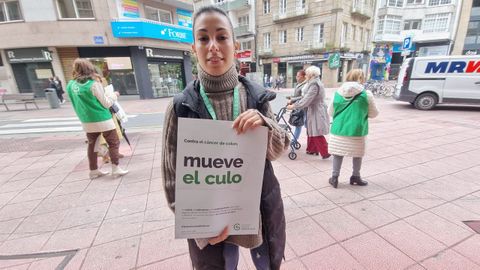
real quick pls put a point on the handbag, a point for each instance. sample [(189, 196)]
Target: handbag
[(119, 112), (297, 118)]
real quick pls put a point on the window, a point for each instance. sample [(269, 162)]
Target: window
[(318, 33), (75, 9), (244, 20), (246, 45), (439, 2), (10, 11), (158, 15), (344, 36), (266, 6), (354, 32), (301, 4), (414, 2), (299, 34), (389, 24), (282, 36), (367, 39), (412, 25), (395, 3), (266, 41), (436, 23), (361, 33), (470, 39), (282, 6), (1, 61)]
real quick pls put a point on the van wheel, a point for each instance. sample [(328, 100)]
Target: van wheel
[(426, 101)]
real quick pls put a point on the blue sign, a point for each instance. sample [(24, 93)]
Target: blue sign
[(398, 48), (141, 29), (98, 40), (184, 18), (407, 43)]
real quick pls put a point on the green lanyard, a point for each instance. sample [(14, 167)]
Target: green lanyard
[(236, 103)]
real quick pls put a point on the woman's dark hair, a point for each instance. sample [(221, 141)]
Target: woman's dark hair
[(302, 72), (212, 9)]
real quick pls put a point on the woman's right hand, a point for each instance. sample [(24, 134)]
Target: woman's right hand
[(220, 238)]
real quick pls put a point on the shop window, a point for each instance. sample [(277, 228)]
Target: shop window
[(412, 25), (10, 11), (158, 15), (436, 23), (75, 9), (282, 37), (266, 6), (439, 2), (299, 34)]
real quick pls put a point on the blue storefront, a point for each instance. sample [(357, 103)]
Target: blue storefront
[(158, 72)]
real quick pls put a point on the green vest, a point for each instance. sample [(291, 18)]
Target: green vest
[(353, 121), (85, 104)]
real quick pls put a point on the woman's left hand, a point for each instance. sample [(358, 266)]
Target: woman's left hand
[(249, 119), (290, 107)]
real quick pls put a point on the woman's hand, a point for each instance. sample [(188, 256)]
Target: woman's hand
[(249, 119), (221, 237), (290, 107)]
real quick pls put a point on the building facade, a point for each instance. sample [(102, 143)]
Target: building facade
[(331, 34), (140, 47), (242, 15), (467, 41), (428, 27)]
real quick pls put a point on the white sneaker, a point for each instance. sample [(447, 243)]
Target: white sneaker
[(97, 173), (117, 171)]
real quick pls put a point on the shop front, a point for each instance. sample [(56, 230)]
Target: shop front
[(31, 68), (166, 69)]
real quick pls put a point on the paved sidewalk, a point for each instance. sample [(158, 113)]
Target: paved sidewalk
[(423, 169)]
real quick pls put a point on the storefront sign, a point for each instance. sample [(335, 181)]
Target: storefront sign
[(128, 9), (276, 60), (334, 61), (244, 54), (150, 29), (219, 177), (30, 55), (160, 53), (184, 18)]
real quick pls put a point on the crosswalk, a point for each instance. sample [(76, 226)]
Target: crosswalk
[(43, 125)]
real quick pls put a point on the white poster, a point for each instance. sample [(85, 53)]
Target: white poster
[(219, 177)]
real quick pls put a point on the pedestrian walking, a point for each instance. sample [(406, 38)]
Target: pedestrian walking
[(317, 123), (59, 89), (297, 95), (218, 83), (351, 107), (91, 106)]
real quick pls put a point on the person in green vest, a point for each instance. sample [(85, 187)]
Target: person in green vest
[(350, 109), (91, 106)]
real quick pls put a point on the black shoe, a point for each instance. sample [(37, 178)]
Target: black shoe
[(333, 181), (327, 156), (357, 180), (312, 153)]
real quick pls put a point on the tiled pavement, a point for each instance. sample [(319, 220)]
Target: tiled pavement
[(423, 169)]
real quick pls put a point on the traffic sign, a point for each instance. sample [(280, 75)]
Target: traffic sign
[(407, 43)]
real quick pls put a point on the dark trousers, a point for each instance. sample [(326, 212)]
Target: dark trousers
[(113, 144), (60, 95), (225, 256)]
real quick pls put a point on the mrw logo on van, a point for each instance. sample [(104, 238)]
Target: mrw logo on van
[(453, 67)]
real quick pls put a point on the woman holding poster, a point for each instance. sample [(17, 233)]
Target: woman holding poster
[(220, 93)]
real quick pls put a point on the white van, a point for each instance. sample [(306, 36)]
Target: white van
[(427, 81)]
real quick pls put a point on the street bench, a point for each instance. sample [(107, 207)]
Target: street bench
[(24, 99)]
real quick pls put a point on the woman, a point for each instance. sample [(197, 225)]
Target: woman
[(351, 107), (215, 47), (297, 95), (313, 101), (59, 89), (91, 106)]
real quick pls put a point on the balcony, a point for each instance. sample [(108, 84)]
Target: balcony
[(362, 11), (242, 30), (265, 52), (234, 5), (290, 15)]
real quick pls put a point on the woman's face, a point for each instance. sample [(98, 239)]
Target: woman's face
[(300, 77), (214, 45)]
